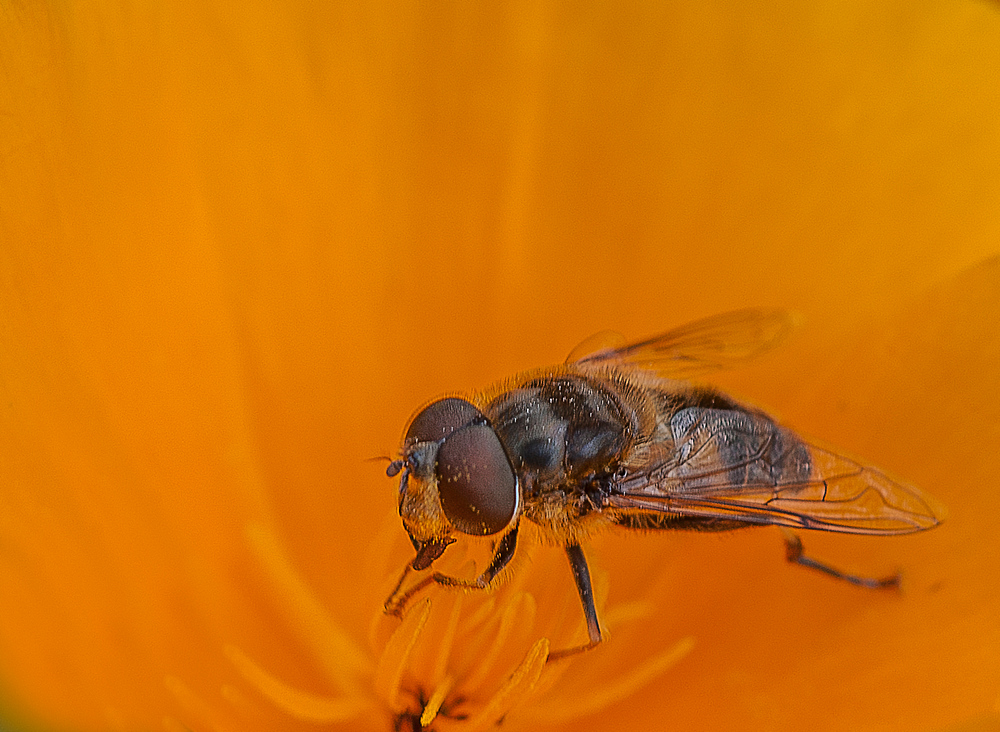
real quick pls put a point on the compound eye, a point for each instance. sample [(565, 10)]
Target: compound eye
[(476, 483), (440, 419)]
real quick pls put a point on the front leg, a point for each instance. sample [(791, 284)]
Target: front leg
[(397, 601)]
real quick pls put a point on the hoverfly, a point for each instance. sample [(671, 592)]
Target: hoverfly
[(618, 437)]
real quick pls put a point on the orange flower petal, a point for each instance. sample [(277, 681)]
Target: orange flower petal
[(240, 246)]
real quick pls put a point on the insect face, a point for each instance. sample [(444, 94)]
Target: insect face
[(456, 477)]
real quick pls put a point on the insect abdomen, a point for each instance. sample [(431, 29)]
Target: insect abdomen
[(718, 441)]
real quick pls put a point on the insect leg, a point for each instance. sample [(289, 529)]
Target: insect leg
[(581, 574), (793, 552), (502, 555), (504, 551), (396, 601)]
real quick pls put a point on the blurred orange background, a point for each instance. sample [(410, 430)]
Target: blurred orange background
[(240, 245)]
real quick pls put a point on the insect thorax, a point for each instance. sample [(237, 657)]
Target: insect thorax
[(565, 434)]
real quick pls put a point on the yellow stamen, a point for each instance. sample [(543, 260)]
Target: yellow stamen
[(482, 615), (435, 702), (446, 641), (448, 669), (597, 699), (299, 704), (627, 612), (517, 687), (514, 611), (392, 664)]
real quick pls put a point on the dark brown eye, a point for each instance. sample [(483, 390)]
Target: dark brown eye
[(440, 419), (476, 483)]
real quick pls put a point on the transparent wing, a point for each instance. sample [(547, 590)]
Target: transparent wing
[(721, 341), (743, 467), (598, 347)]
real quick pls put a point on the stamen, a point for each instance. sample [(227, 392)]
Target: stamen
[(299, 704), (485, 612), (444, 664), (344, 661), (628, 612), (484, 662), (392, 664), (440, 667), (437, 699), (597, 699), (517, 687)]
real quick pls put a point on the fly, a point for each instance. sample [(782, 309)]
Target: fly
[(618, 437)]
